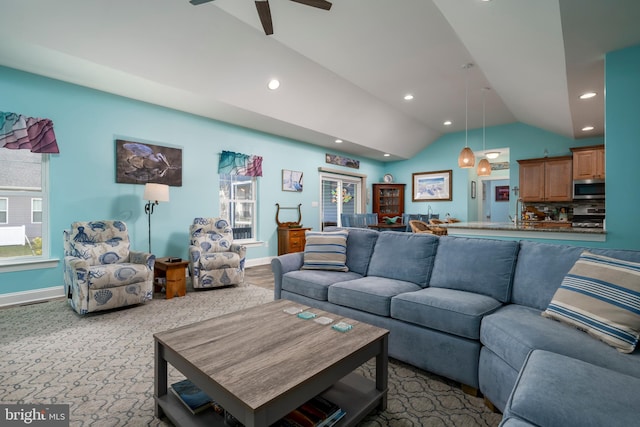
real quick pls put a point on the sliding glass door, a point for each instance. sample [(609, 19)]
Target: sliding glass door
[(339, 194)]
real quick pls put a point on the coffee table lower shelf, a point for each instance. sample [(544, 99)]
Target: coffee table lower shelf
[(356, 395)]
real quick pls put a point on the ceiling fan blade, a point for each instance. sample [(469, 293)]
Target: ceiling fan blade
[(320, 4), (264, 12), (197, 2)]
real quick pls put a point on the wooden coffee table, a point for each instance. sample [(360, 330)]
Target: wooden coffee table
[(261, 363)]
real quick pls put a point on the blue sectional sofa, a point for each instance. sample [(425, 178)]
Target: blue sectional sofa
[(468, 309)]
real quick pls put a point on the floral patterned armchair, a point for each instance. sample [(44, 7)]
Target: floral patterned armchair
[(214, 259), (100, 271)]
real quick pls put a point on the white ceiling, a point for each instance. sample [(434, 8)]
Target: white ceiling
[(343, 72)]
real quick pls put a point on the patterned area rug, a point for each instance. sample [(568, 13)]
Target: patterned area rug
[(102, 364)]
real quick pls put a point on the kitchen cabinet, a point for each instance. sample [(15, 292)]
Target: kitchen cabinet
[(291, 240), (588, 162), (388, 200), (546, 180)]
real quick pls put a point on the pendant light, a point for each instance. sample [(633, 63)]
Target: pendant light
[(466, 159), (484, 167)]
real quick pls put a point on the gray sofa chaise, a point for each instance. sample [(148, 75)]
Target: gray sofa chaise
[(468, 309)]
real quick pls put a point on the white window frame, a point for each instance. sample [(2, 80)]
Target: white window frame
[(225, 204), (31, 262)]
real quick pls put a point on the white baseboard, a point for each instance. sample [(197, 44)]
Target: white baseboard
[(30, 297), (258, 261)]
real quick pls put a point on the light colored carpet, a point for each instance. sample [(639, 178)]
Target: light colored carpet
[(102, 364)]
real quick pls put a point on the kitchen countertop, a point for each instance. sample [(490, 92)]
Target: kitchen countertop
[(528, 229)]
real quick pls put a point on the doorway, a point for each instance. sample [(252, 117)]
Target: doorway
[(339, 195), (493, 200)]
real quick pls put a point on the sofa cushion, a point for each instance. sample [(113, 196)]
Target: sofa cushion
[(360, 244), (370, 294), (447, 310), (483, 266), (325, 250), (601, 295), (557, 390), (512, 331), (314, 283), (534, 286), (407, 257)]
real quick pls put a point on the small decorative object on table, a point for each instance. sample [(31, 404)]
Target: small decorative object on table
[(391, 220), (342, 327)]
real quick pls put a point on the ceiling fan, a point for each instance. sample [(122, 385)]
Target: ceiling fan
[(264, 12)]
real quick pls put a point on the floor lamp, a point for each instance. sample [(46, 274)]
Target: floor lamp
[(154, 193)]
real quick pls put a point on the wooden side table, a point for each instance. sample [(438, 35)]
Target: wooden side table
[(175, 275), (291, 239)]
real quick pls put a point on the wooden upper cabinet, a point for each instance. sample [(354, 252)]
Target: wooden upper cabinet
[(546, 180), (588, 162), (388, 200)]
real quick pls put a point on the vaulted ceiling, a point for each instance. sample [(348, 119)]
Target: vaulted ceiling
[(343, 72)]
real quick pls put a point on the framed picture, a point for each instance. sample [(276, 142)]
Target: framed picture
[(334, 159), (139, 163), (431, 186), (502, 193), (291, 180), (473, 189)]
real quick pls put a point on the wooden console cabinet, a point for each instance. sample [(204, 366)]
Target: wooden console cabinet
[(291, 240)]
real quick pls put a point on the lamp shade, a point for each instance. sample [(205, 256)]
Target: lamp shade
[(466, 159), (484, 168), (156, 192)]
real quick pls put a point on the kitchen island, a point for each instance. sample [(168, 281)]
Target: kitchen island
[(526, 230)]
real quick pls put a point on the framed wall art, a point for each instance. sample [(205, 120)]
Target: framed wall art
[(291, 180), (334, 159), (473, 189), (502, 193), (432, 186), (139, 163)]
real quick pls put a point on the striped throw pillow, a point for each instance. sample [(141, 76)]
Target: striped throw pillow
[(326, 250), (601, 296)]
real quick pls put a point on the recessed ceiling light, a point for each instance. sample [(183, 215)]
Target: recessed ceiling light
[(447, 123), (387, 154), (274, 84), (338, 141), (408, 97), (587, 128), (588, 95), (492, 154)]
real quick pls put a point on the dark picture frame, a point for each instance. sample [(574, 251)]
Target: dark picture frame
[(502, 193), (139, 163), (432, 186), (473, 189)]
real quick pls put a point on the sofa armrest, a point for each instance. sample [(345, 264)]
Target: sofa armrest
[(282, 265), (145, 258)]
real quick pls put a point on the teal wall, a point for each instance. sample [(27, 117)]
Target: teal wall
[(523, 141), (87, 123), (622, 114)]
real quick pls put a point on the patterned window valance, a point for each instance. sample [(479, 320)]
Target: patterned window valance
[(19, 132), (240, 164)]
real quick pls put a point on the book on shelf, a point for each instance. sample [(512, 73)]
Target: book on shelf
[(317, 412), (191, 396)]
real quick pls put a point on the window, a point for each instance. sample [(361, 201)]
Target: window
[(238, 205), (4, 210), (23, 205), (36, 211)]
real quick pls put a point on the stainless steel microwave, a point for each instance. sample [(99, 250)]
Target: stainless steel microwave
[(588, 189)]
